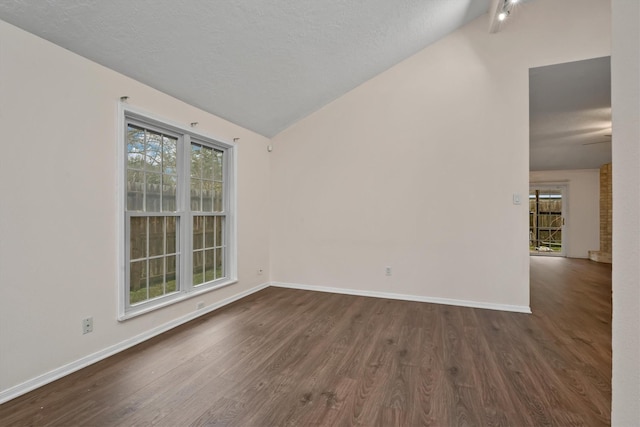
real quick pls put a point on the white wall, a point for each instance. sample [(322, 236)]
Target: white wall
[(625, 97), (58, 235), (415, 169), (582, 226)]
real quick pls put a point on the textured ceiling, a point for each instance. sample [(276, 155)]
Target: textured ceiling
[(570, 115), (263, 64)]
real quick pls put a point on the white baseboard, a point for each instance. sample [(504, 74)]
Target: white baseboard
[(39, 381), (405, 297)]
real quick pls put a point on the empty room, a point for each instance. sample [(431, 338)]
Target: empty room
[(316, 213)]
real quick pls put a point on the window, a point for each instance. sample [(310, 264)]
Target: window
[(178, 203)]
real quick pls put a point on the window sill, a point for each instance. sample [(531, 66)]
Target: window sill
[(172, 299)]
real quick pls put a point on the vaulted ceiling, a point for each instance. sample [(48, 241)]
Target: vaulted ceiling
[(262, 64), (265, 64)]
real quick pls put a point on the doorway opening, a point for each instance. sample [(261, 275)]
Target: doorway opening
[(569, 140)]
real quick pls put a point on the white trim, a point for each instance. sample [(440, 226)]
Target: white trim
[(171, 299), (120, 209), (232, 191), (406, 297), (39, 381)]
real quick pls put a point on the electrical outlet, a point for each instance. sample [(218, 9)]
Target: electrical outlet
[(200, 305), (87, 325), (387, 271)]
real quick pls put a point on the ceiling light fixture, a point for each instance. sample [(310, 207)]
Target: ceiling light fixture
[(502, 11), (505, 10)]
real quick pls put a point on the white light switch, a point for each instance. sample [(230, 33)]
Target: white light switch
[(516, 198)]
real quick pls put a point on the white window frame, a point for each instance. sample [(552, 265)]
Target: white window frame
[(186, 135)]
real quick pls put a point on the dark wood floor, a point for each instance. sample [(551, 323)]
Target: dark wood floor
[(291, 357)]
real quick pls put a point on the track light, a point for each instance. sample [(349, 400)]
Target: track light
[(502, 13), (505, 10)]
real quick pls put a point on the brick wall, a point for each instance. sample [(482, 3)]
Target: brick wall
[(606, 215), (606, 208)]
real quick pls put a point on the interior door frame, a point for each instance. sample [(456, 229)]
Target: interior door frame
[(564, 189)]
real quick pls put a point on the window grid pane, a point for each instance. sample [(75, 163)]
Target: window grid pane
[(138, 239), (135, 190), (153, 151), (151, 170), (198, 268), (209, 265), (196, 194), (220, 263), (208, 248), (171, 273), (154, 256), (138, 282), (207, 184), (169, 190)]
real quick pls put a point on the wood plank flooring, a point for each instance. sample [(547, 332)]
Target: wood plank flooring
[(289, 357)]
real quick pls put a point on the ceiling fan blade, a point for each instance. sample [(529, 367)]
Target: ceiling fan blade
[(597, 142)]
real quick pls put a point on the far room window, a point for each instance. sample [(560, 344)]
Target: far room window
[(179, 202)]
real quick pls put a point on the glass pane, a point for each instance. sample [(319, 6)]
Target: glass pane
[(198, 276), (209, 231), (172, 236), (217, 201), (198, 232), (196, 161), (169, 185), (135, 190), (135, 160), (219, 231), (154, 152), (156, 236), (207, 163), (219, 263), (207, 196), (209, 266), (154, 184), (138, 237), (135, 148), (196, 204), (217, 165), (171, 273), (156, 277), (169, 155), (138, 282), (545, 221)]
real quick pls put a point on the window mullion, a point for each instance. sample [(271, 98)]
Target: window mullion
[(148, 266), (226, 207), (164, 253), (144, 172), (127, 250), (186, 221)]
